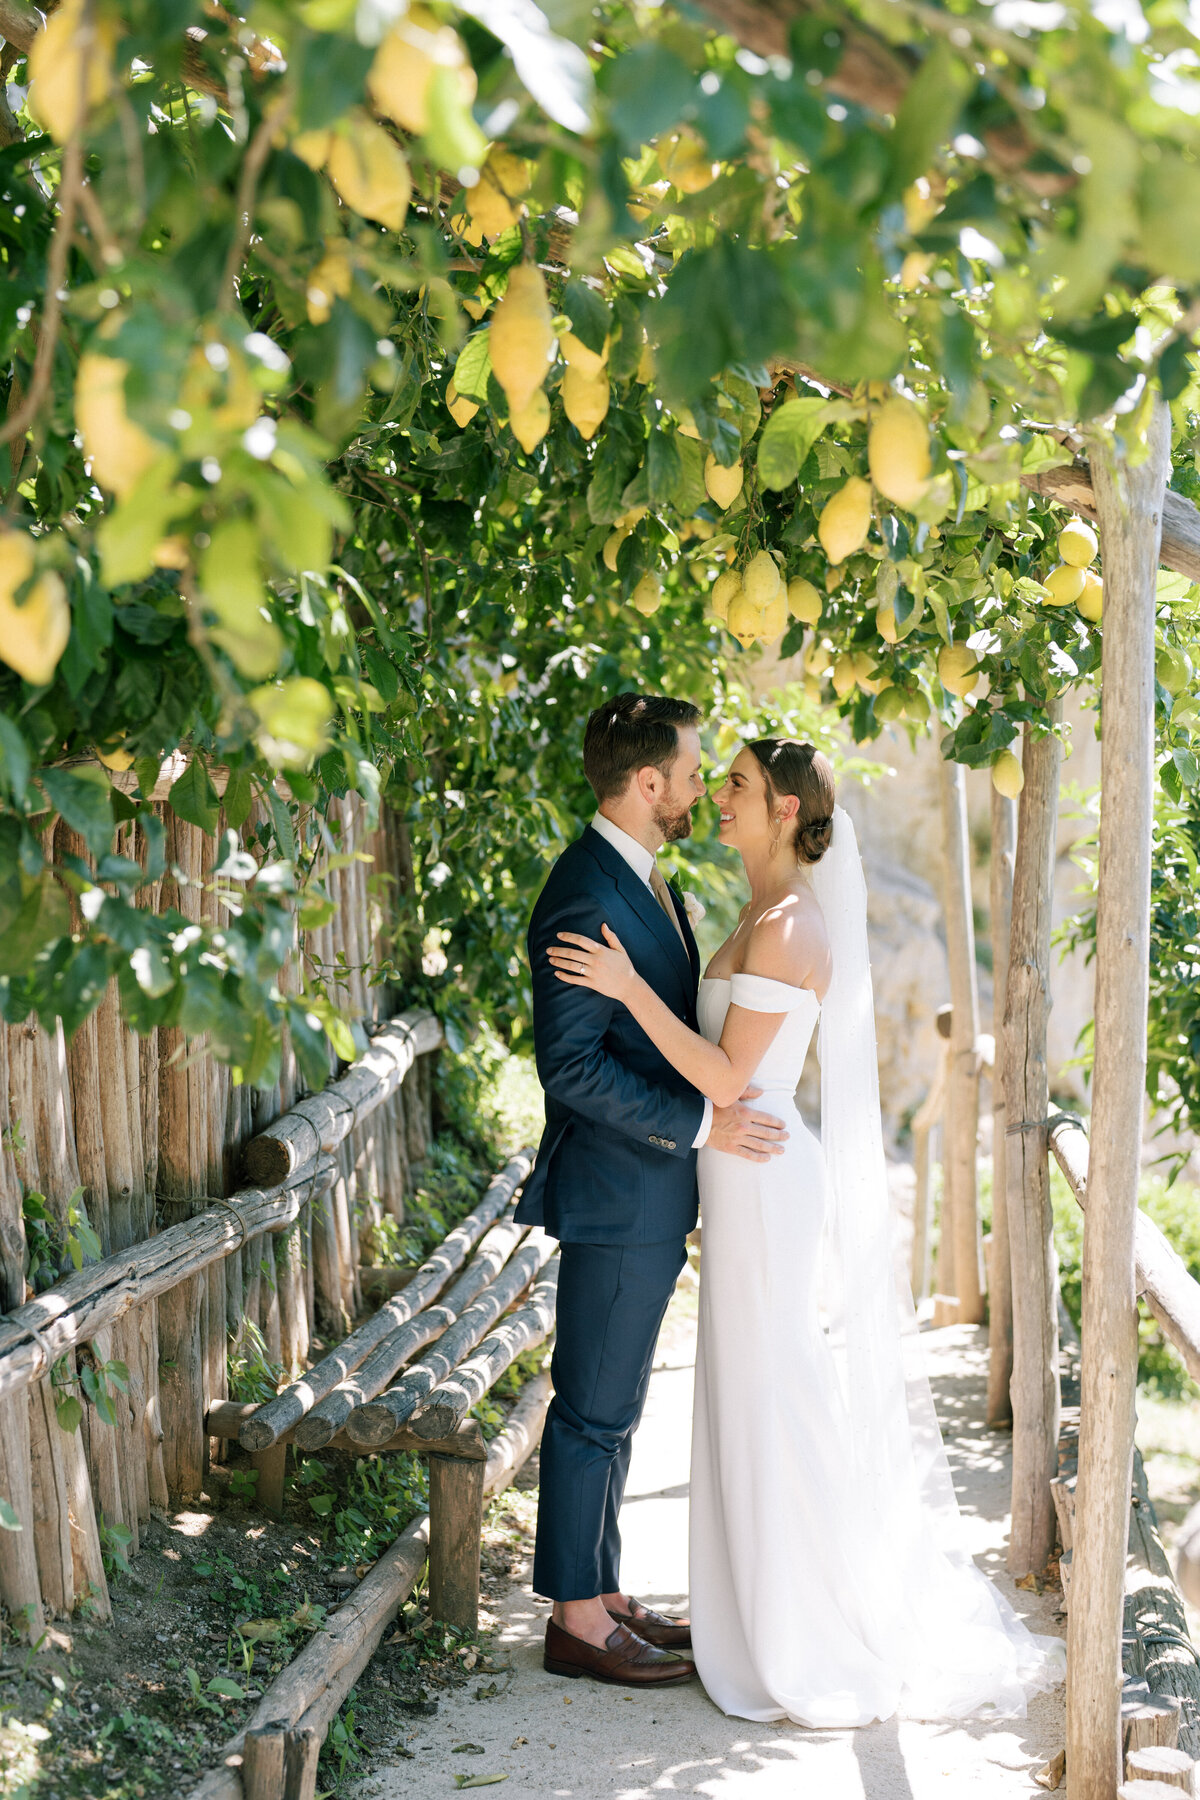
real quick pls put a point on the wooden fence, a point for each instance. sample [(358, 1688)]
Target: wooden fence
[(152, 1133)]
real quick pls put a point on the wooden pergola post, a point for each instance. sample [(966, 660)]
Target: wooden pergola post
[(960, 1207), (1129, 501), (1000, 1326), (1034, 1387)]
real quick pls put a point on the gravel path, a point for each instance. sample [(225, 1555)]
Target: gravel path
[(582, 1741)]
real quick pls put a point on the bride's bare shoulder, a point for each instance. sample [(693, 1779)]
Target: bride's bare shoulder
[(790, 943)]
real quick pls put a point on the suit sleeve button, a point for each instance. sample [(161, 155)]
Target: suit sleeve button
[(670, 1143)]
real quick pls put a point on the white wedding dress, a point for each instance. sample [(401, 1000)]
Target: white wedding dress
[(827, 1585)]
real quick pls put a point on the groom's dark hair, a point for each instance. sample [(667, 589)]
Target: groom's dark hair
[(631, 732)]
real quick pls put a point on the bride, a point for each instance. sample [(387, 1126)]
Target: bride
[(829, 1584)]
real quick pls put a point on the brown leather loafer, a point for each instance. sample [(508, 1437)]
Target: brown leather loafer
[(625, 1661), (655, 1627)]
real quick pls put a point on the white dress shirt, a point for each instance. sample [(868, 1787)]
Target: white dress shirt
[(641, 862)]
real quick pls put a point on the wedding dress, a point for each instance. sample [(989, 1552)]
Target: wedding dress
[(828, 1582)]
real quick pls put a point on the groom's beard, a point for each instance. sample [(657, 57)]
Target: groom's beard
[(673, 825)]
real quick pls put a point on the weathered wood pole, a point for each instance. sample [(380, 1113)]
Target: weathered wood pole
[(1000, 1328), (960, 1208), (19, 1588), (1034, 1386), (1129, 500)]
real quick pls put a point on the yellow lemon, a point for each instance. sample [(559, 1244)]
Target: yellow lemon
[(804, 602), (1078, 543), (1008, 777), (817, 658), (34, 634), (69, 68), (332, 279), (462, 410), (369, 171), (172, 553), (1172, 669), (890, 704), (723, 484), (684, 160), (1091, 600), (1064, 585), (914, 269), (846, 520), (957, 668), (898, 452), (115, 758), (845, 676), (686, 423), (313, 147), (522, 339), (745, 619), (631, 517), (590, 364), (703, 529), (405, 65), (120, 451), (585, 399), (774, 616), (725, 590), (531, 422), (885, 624), (493, 204), (612, 545), (647, 595), (761, 579), (864, 662)]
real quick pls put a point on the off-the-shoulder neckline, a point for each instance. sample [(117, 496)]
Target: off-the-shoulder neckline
[(790, 985)]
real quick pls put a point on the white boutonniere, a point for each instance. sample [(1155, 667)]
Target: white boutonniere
[(693, 908)]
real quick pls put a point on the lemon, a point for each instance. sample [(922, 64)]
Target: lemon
[(476, 305), (846, 520), (684, 160), (916, 706), (172, 553), (1078, 543), (745, 619), (590, 364), (890, 704), (647, 595), (774, 616), (115, 758), (723, 484), (330, 280), (369, 171), (864, 662), (761, 579), (494, 203), (462, 410), (522, 338), (920, 205), (531, 422), (898, 452), (1091, 600), (817, 658), (1064, 584), (69, 68), (686, 424), (957, 668), (1172, 670), (645, 369), (405, 66), (725, 590), (1008, 777), (804, 602), (585, 399), (313, 147), (631, 517), (914, 269), (844, 677), (120, 451), (34, 634), (703, 529), (885, 624), (612, 545)]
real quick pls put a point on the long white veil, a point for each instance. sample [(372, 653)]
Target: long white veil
[(962, 1647)]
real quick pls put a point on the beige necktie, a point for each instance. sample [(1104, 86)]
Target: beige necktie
[(662, 894)]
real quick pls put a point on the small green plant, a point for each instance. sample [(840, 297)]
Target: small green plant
[(243, 1484), (253, 1375), (94, 1381), (116, 1541), (343, 1748), (49, 1247)]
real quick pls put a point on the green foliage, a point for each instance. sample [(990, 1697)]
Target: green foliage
[(363, 1506), (253, 1374)]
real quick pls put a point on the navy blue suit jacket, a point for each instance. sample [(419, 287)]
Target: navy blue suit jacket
[(616, 1164)]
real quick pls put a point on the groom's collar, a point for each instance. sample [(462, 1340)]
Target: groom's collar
[(640, 860)]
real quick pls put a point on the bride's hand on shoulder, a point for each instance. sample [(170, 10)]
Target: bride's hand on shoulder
[(605, 968)]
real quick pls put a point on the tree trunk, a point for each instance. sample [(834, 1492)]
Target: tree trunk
[(1000, 1329), (1034, 1387), (960, 1210), (1129, 499)]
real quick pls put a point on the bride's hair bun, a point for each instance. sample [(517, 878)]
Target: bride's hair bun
[(790, 766)]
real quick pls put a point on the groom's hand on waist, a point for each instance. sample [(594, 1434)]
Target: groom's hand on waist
[(740, 1131)]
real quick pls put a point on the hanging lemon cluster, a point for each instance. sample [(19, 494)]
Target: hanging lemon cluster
[(755, 602), (901, 470), (1073, 581)]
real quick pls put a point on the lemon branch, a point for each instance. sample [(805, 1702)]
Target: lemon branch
[(18, 422)]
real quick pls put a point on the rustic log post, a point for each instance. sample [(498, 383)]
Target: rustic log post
[(19, 1588), (455, 1530), (1129, 500), (87, 1562), (51, 1501), (1000, 1328), (960, 1201), (262, 1761), (925, 1121), (1034, 1386)]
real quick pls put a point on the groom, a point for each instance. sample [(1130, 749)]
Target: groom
[(615, 1178)]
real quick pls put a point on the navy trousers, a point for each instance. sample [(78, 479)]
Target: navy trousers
[(611, 1301)]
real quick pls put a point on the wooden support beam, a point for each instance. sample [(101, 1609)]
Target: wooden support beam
[(960, 1199), (1000, 1325), (227, 1419), (451, 1401), (455, 1529)]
